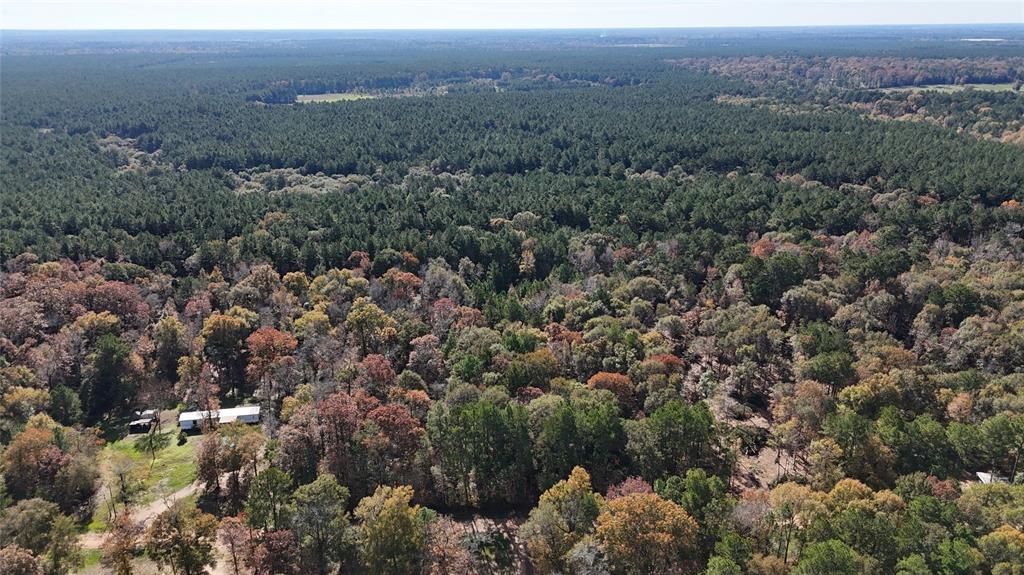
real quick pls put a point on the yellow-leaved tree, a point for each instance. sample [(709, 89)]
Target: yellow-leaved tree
[(643, 533)]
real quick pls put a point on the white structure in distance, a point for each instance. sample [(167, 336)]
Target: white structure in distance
[(244, 413)]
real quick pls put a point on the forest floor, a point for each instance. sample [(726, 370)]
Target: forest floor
[(763, 469), (496, 539), (753, 470)]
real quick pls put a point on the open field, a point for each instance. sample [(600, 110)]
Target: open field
[(171, 471), (948, 88), (332, 97)]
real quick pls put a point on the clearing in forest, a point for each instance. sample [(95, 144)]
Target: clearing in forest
[(149, 480), (947, 88), (331, 97)]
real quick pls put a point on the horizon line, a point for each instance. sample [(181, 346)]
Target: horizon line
[(531, 29)]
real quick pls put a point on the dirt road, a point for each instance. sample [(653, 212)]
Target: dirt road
[(142, 515)]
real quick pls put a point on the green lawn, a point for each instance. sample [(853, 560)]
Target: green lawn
[(174, 464), (333, 97), (92, 558)]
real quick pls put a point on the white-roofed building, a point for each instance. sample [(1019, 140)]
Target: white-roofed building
[(243, 413), (991, 478), (145, 420)]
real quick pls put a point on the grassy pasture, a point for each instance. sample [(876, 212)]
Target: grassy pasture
[(172, 470), (332, 97), (949, 88)]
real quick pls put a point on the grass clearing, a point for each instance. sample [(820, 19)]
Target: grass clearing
[(332, 97), (172, 470), (91, 557), (950, 88)]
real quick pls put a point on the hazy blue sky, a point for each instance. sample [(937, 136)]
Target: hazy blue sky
[(352, 14)]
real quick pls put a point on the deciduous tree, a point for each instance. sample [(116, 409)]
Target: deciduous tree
[(236, 538), (643, 533), (15, 560), (562, 518), (224, 343), (368, 323), (392, 531), (27, 524), (268, 349), (277, 553), (182, 538), (122, 544)]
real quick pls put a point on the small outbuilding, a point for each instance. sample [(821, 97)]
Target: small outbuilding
[(143, 422), (991, 478), (245, 413)]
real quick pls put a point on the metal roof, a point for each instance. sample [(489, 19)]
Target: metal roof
[(229, 414)]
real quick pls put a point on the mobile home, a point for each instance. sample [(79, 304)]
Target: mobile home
[(245, 413)]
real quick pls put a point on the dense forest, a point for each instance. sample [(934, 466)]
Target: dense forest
[(716, 302)]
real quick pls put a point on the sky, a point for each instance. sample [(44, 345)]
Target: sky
[(491, 14)]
